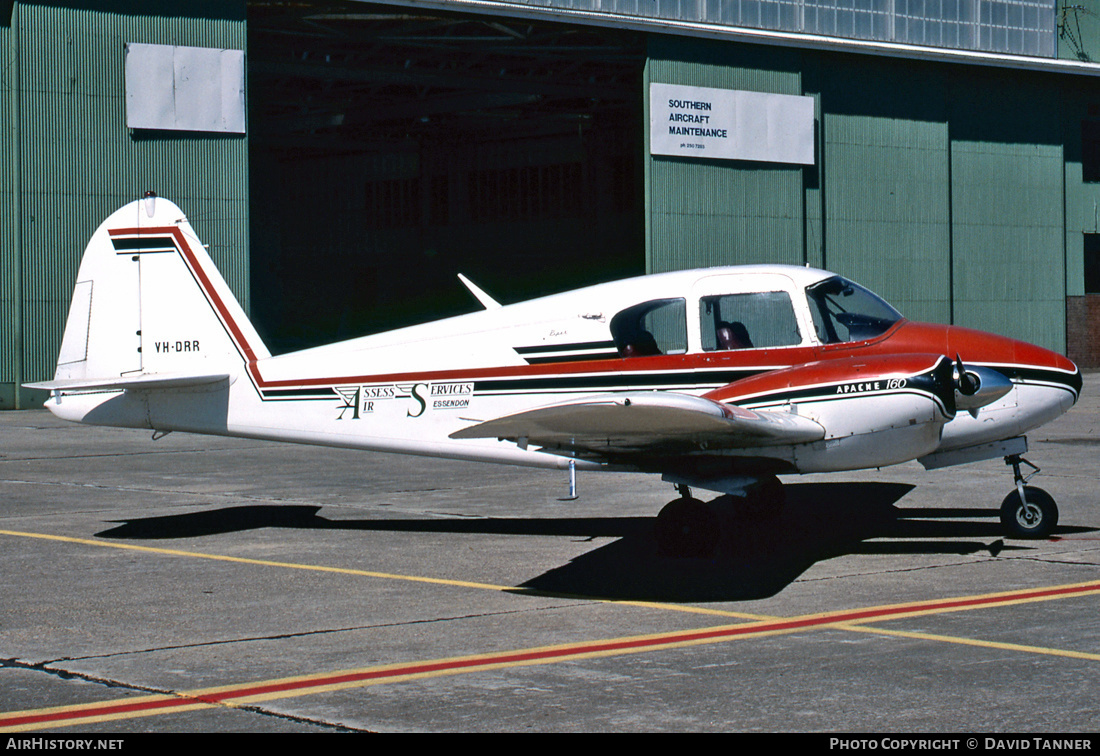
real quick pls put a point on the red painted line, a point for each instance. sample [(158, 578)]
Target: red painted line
[(539, 655)]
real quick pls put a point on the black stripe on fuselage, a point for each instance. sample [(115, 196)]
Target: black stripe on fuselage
[(1070, 382), (693, 380), (626, 381), (144, 244), (935, 384), (687, 380), (780, 400), (301, 394), (586, 357), (550, 348)]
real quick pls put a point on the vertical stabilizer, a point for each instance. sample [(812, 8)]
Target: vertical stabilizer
[(149, 301)]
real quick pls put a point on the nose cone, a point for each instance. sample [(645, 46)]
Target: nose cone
[(1044, 384)]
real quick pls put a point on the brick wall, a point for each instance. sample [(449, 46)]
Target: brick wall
[(1083, 330)]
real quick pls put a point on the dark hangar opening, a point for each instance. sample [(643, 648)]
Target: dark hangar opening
[(391, 149)]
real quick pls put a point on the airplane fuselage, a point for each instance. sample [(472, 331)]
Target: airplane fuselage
[(882, 397), (717, 379)]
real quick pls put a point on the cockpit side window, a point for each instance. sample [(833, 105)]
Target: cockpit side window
[(748, 321), (655, 327), (845, 311)]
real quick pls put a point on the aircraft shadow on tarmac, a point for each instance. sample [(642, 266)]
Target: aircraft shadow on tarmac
[(756, 558)]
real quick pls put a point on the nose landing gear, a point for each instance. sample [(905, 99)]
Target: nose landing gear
[(1027, 512)]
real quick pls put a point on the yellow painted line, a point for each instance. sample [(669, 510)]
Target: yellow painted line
[(853, 620), (973, 642), (373, 574), (243, 694), (289, 687)]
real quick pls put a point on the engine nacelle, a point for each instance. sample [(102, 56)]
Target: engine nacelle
[(876, 411)]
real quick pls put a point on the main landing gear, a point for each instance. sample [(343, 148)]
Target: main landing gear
[(686, 527), (1027, 512)]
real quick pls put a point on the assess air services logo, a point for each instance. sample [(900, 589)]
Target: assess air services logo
[(417, 398)]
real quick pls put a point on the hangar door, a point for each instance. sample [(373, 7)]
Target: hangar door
[(392, 149)]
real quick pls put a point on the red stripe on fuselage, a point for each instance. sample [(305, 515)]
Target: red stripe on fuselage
[(246, 350), (907, 343), (764, 359)]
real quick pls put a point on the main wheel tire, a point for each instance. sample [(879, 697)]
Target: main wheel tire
[(765, 502), (1035, 520), (687, 527)]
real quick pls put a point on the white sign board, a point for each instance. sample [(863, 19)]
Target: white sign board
[(184, 88), (730, 124)]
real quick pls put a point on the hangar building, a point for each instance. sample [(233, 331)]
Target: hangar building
[(344, 161)]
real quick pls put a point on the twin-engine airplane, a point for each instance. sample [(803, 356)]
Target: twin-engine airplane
[(718, 379)]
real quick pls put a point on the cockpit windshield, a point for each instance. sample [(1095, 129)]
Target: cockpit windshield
[(845, 311)]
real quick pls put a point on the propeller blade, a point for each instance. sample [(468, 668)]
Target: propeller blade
[(967, 383)]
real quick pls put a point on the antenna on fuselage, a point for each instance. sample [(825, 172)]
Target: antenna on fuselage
[(486, 301)]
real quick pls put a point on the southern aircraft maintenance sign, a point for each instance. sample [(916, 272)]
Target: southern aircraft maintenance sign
[(730, 124)]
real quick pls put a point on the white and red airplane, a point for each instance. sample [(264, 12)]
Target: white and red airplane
[(718, 379)]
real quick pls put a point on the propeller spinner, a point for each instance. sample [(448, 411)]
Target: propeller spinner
[(975, 387)]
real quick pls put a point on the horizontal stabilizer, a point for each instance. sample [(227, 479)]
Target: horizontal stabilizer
[(145, 382), (647, 422)]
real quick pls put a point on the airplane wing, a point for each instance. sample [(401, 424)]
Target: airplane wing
[(646, 422)]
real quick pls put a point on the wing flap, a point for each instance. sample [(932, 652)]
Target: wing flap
[(646, 422)]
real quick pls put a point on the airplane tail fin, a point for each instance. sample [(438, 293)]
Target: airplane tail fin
[(150, 309)]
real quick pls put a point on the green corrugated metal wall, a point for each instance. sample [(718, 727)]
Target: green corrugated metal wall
[(1008, 206), (885, 177), (9, 270), (703, 212), (954, 191), (72, 161), (1081, 103), (939, 186)]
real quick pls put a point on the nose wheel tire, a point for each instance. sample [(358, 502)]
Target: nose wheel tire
[(1036, 518)]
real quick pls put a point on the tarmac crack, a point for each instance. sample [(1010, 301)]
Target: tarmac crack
[(281, 636), (868, 573), (998, 557), (107, 682), (50, 667), (232, 494), (151, 490), (1051, 560), (103, 455)]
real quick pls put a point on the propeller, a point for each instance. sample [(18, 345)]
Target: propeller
[(966, 382), (976, 387)]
